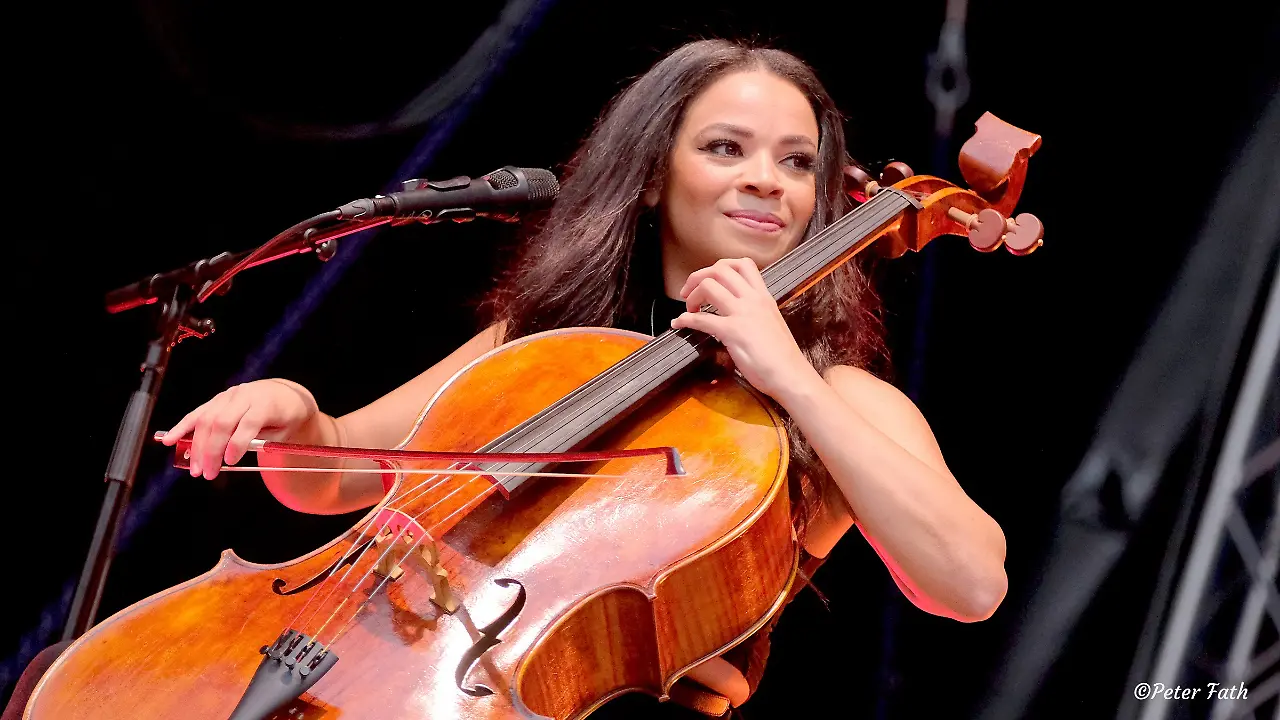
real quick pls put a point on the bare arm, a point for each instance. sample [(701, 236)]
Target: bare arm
[(384, 423), (943, 551)]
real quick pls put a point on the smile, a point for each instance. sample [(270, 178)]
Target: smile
[(759, 225)]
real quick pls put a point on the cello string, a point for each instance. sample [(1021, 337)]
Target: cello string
[(445, 552), (338, 583), (467, 506), (441, 501), (372, 594), (341, 580), (419, 490), (390, 545), (345, 556), (805, 265), (793, 269)]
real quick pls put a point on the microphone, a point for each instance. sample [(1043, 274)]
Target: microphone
[(496, 195)]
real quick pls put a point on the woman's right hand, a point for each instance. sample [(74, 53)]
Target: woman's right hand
[(222, 428)]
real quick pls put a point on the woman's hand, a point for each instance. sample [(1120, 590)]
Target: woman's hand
[(749, 324), (221, 429)]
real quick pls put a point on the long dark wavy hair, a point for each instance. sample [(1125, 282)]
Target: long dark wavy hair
[(594, 259)]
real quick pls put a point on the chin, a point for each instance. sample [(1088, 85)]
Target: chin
[(763, 254), (764, 248)]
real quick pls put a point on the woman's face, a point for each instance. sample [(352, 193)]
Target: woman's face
[(741, 177)]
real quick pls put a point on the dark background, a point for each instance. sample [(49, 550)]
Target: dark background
[(156, 133)]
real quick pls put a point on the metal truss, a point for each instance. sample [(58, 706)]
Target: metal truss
[(1228, 584)]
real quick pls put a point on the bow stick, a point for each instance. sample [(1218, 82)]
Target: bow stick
[(182, 455)]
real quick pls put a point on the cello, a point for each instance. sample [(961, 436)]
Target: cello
[(476, 589)]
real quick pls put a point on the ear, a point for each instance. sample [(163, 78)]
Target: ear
[(650, 197)]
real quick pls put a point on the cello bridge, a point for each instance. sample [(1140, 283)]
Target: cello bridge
[(395, 524)]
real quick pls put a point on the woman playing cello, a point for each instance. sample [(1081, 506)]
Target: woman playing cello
[(705, 170)]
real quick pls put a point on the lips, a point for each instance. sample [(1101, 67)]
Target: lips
[(766, 222)]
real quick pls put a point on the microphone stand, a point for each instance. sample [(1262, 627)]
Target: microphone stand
[(174, 325), (177, 290)]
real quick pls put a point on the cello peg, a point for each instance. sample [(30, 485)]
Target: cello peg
[(858, 183), (986, 229), (895, 172), (1025, 235)]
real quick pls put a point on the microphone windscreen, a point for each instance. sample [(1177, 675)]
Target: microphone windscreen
[(502, 179), (543, 185)]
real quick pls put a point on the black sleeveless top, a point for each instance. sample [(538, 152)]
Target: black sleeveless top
[(654, 315)]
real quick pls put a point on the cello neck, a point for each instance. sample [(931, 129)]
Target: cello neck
[(811, 261), (610, 396)]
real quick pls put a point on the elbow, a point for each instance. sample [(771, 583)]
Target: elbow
[(988, 584), (983, 597)]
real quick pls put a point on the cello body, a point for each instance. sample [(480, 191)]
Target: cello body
[(581, 589)]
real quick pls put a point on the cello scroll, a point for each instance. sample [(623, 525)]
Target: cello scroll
[(994, 163)]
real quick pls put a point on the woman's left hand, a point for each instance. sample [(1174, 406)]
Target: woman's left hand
[(749, 324)]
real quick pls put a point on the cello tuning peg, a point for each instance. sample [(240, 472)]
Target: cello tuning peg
[(895, 172), (858, 182), (1025, 233), (986, 229)]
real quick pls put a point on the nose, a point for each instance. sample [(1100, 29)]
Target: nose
[(760, 177)]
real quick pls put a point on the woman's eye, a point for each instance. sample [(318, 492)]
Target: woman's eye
[(801, 161), (727, 148)]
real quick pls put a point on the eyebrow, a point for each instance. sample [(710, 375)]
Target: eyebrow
[(745, 133)]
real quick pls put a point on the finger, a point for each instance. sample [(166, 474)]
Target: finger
[(729, 273), (694, 278), (200, 430), (721, 271), (221, 427), (713, 325), (179, 431), (248, 429), (711, 291), (747, 269), (200, 455)]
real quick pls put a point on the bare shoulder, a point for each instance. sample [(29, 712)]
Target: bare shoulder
[(889, 410)]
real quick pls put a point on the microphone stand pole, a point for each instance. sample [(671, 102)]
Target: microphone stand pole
[(173, 326), (177, 290)]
